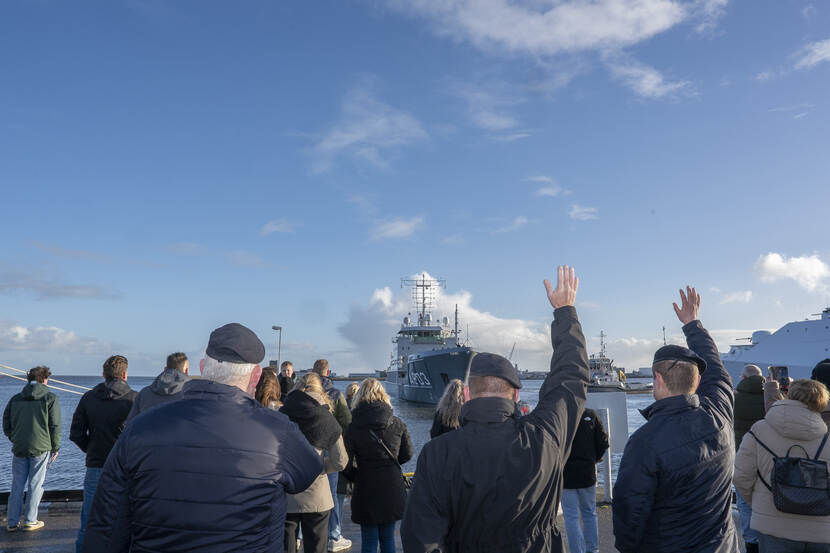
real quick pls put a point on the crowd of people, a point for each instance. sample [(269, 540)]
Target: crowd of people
[(256, 459)]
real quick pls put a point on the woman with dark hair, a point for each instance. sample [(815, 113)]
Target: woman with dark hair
[(268, 390), (308, 406), (448, 412), (378, 444)]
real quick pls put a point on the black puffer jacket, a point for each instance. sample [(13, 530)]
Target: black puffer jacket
[(674, 485), (99, 419), (166, 387), (493, 485), (589, 445), (749, 405), (379, 494), (216, 453)]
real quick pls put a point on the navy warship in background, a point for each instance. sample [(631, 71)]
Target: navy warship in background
[(428, 353), (798, 345)]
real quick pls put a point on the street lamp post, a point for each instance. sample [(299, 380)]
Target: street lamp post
[(279, 344)]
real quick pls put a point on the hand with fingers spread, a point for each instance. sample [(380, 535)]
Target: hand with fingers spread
[(566, 285), (690, 304)]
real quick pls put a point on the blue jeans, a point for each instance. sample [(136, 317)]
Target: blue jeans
[(771, 544), (581, 502), (32, 469), (371, 535), (337, 511), (745, 515), (90, 485)]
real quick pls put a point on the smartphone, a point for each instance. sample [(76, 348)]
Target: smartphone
[(781, 373)]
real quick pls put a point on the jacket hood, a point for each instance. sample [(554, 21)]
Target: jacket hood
[(112, 388), (169, 382), (373, 414), (313, 417), (752, 385), (34, 391), (793, 420)]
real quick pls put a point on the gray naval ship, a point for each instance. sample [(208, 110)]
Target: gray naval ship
[(799, 345), (428, 354)]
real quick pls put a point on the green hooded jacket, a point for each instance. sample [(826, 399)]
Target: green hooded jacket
[(32, 421)]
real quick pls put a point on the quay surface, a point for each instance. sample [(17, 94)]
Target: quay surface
[(63, 518)]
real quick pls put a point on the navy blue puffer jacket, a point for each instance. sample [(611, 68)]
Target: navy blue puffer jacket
[(674, 486), (206, 473)]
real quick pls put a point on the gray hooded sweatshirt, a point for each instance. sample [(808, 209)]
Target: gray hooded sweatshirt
[(166, 387)]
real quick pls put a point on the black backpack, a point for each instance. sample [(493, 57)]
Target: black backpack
[(799, 484)]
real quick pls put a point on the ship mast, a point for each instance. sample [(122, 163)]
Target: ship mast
[(424, 292)]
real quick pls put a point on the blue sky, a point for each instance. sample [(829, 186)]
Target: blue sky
[(167, 167)]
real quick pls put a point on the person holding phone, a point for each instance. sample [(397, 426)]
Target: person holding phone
[(777, 385)]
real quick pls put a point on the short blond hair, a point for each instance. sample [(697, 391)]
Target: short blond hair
[(371, 390), (811, 393), (311, 382)]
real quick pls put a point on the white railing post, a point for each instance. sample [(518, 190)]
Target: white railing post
[(607, 494)]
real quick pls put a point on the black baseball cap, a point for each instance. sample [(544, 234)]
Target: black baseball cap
[(235, 343), (491, 364), (679, 353)]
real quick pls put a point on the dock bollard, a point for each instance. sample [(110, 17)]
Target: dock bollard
[(607, 494)]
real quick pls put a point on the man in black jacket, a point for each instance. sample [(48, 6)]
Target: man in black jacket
[(579, 483), (493, 485), (749, 409), (207, 473), (674, 485), (166, 387), (96, 424)]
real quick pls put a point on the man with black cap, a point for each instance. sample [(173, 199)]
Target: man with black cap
[(207, 473), (674, 485), (821, 372), (494, 484)]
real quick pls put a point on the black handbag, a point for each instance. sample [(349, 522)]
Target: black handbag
[(407, 481), (800, 485)]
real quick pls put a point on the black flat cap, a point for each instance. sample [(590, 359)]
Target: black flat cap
[(490, 364), (235, 343), (679, 353)]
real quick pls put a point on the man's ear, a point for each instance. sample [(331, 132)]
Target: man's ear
[(202, 367), (516, 395), (255, 376), (466, 393)]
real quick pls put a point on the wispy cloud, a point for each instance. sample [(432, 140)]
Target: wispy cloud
[(766, 75), (550, 189), (369, 130), (17, 337), (50, 288), (513, 225), (709, 12), (453, 240), (396, 228), (234, 257), (487, 109), (244, 259), (580, 213), (737, 297), (644, 80), (278, 225), (808, 271), (813, 54), (794, 107), (188, 248), (68, 253), (808, 12)]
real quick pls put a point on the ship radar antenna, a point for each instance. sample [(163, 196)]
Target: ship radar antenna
[(602, 336), (424, 293)]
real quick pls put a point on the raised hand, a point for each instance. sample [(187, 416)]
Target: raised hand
[(566, 285), (690, 304)]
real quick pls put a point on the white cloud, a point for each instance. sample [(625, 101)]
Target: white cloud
[(369, 130), (47, 287), (709, 12), (737, 297), (369, 327), (17, 337), (809, 272), (764, 76), (580, 213), (549, 29), (453, 240), (486, 108), (794, 107), (813, 54), (396, 228), (645, 80), (551, 191), (808, 12), (515, 224), (800, 115), (277, 225), (510, 137)]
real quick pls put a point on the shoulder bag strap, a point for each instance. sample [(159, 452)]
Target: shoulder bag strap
[(820, 447), (386, 449), (762, 444)]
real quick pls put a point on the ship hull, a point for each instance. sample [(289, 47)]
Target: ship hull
[(429, 373)]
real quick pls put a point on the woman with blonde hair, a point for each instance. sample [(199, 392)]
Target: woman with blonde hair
[(791, 427), (351, 390), (308, 406), (378, 444), (448, 412)]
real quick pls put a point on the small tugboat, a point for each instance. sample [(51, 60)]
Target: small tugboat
[(428, 354), (605, 377)]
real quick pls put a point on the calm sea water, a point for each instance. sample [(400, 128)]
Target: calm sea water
[(68, 470)]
